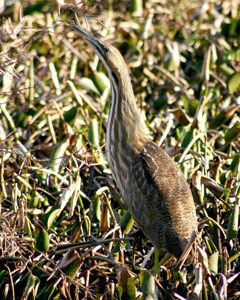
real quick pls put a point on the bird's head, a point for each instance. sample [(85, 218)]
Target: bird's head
[(109, 55)]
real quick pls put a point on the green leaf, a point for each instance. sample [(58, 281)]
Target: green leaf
[(32, 286), (234, 83), (127, 287), (223, 116), (49, 292), (70, 115), (190, 105), (88, 84), (231, 28), (101, 81), (213, 263), (51, 215), (235, 164), (232, 133), (187, 137), (75, 92), (148, 287), (58, 155), (93, 135), (96, 203), (226, 70), (21, 119), (3, 276), (233, 223), (126, 222), (28, 227), (42, 240), (137, 8), (55, 78), (71, 263)]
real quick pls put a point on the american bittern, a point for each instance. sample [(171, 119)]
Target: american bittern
[(151, 184)]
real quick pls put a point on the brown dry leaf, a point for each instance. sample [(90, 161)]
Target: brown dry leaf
[(197, 289), (198, 192), (70, 263), (104, 222), (189, 252), (203, 260), (196, 181), (224, 287), (182, 118), (212, 185), (234, 285), (127, 286), (223, 116), (215, 168)]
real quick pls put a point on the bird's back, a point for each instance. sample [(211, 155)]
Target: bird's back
[(160, 199)]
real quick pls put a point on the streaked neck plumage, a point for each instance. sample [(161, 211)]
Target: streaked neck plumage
[(127, 133), (125, 124)]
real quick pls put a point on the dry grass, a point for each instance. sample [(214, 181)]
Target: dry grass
[(184, 61)]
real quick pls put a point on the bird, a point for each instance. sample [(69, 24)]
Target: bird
[(151, 184)]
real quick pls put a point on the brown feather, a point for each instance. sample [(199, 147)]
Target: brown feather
[(151, 184), (163, 206)]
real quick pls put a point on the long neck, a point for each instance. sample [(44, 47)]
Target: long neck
[(125, 124)]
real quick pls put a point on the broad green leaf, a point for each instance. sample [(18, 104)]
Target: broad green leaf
[(42, 239), (232, 133), (28, 226), (51, 215), (101, 81), (148, 286), (233, 223), (213, 263), (58, 155), (187, 137), (71, 263), (190, 105), (93, 135), (67, 194), (127, 287), (223, 116), (70, 115), (3, 275), (137, 8), (75, 92), (88, 84), (226, 70), (126, 222), (76, 186), (234, 167), (49, 291), (31, 287), (55, 78), (96, 203), (234, 83)]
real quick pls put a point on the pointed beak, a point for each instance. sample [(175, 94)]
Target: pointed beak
[(96, 44)]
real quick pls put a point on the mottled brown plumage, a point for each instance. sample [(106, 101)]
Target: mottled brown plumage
[(164, 194), (151, 184)]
